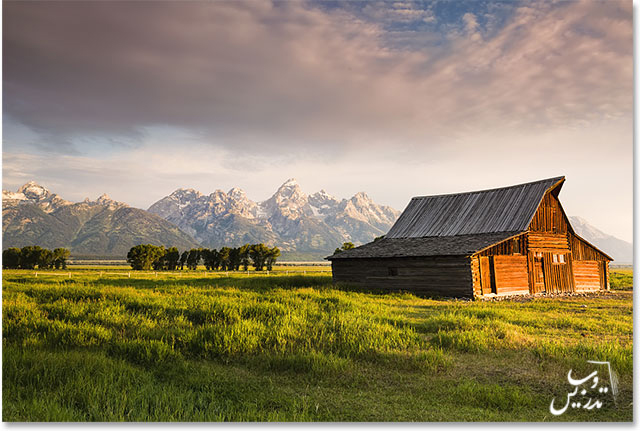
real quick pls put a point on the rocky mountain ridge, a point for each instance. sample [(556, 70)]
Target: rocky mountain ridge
[(314, 224), (307, 226), (104, 227)]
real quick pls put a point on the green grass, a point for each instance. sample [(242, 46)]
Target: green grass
[(196, 347), (621, 279)]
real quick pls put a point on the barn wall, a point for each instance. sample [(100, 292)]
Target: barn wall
[(604, 275), (443, 275), (544, 241), (475, 276), (558, 277), (549, 217), (511, 275), (585, 251), (516, 245), (587, 274)]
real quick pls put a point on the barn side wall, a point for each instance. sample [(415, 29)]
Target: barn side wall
[(590, 265), (502, 269), (442, 275)]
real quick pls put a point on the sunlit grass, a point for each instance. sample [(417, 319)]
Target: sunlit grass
[(621, 279), (293, 347)]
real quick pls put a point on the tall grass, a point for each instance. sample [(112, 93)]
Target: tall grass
[(140, 342)]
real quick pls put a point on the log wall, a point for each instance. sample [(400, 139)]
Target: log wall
[(476, 275), (443, 275), (587, 274), (547, 242)]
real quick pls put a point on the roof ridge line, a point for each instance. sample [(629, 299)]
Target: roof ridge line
[(488, 190)]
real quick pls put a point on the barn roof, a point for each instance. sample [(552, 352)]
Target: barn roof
[(458, 224), (507, 209), (422, 247)]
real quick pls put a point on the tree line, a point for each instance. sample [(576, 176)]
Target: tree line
[(148, 256), (31, 256)]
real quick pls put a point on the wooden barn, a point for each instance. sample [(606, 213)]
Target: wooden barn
[(506, 241)]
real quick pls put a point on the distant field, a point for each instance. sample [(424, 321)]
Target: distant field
[(621, 279), (117, 345), (120, 264)]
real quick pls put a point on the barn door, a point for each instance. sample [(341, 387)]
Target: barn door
[(487, 275), (536, 278), (558, 274)]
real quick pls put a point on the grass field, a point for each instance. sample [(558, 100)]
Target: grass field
[(106, 346)]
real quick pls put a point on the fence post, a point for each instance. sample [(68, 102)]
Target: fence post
[(227, 272), (156, 274), (304, 272), (36, 274), (129, 275), (69, 275)]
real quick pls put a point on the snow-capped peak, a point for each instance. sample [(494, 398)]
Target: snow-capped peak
[(104, 198), (237, 193), (361, 196), (324, 195), (291, 182), (33, 190), (33, 193), (7, 195)]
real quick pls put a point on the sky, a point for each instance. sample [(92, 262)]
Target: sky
[(398, 99)]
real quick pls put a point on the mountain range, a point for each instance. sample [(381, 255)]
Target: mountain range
[(104, 227), (310, 226), (305, 227)]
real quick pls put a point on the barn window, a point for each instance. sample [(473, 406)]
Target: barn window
[(558, 258), (516, 246), (393, 271)]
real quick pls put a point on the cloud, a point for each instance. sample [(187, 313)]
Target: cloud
[(598, 178), (137, 99), (288, 76)]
